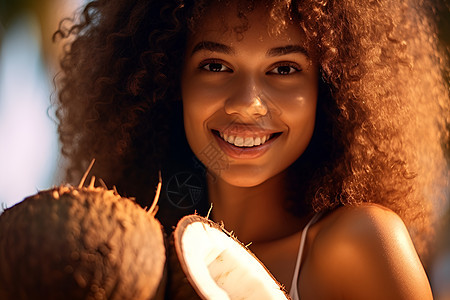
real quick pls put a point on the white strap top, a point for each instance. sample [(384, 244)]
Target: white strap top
[(294, 292)]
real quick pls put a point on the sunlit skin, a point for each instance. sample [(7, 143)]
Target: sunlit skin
[(250, 86), (256, 85)]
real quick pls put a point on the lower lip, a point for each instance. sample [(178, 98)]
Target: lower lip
[(244, 152)]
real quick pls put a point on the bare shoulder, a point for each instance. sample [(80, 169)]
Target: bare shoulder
[(365, 252), (364, 223)]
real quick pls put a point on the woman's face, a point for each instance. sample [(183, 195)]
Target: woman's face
[(249, 100)]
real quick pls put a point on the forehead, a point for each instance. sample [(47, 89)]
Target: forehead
[(228, 23)]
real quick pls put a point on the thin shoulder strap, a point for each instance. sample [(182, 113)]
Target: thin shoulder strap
[(294, 292)]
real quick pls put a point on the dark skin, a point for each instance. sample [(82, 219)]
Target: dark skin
[(240, 92), (249, 89)]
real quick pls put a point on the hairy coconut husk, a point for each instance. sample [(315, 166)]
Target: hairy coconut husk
[(208, 262), (80, 243)]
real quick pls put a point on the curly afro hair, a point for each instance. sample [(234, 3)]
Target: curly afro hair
[(382, 120)]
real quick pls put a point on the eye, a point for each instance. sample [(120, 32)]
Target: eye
[(285, 69), (215, 67)]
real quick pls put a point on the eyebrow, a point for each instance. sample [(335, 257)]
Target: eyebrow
[(218, 47), (212, 46), (287, 50)]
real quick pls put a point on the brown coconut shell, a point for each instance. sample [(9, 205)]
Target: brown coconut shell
[(80, 243), (181, 284)]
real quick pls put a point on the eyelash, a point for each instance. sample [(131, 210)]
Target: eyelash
[(203, 66), (293, 66)]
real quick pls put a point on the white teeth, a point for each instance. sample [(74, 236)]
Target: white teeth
[(241, 141), (248, 142), (264, 138)]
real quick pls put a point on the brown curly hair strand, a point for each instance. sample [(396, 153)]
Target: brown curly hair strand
[(383, 102)]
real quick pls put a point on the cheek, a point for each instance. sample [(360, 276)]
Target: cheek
[(303, 124), (300, 130), (193, 124), (198, 107), (197, 97), (298, 113)]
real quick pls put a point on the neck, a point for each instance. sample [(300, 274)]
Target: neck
[(255, 214)]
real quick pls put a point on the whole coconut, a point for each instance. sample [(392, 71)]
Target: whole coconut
[(80, 243)]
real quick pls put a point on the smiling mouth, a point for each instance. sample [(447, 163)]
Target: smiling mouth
[(242, 141)]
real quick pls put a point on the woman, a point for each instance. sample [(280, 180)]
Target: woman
[(306, 120)]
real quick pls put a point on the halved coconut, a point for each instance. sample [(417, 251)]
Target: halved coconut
[(216, 265), (80, 243)]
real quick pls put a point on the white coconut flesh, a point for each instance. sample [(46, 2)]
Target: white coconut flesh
[(220, 267)]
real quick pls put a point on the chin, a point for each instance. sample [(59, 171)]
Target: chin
[(241, 178), (242, 182)]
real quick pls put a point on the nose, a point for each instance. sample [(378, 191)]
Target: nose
[(246, 100)]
